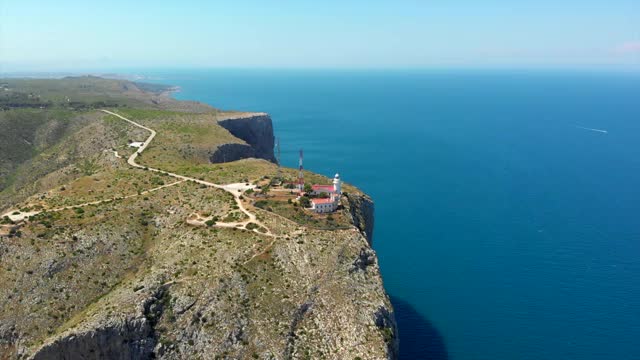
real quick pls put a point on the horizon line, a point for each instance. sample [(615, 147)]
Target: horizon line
[(116, 70)]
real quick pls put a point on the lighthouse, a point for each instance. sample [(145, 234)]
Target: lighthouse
[(328, 203), (337, 185)]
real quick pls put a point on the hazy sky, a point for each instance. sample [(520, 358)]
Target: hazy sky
[(94, 34)]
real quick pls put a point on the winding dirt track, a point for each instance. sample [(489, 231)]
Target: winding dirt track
[(230, 188)]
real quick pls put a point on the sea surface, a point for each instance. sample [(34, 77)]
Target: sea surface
[(507, 202)]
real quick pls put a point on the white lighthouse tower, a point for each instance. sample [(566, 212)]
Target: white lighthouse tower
[(337, 185), (322, 204)]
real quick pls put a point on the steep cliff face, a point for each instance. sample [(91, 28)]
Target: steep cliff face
[(126, 340), (361, 209), (256, 130), (132, 337), (232, 152)]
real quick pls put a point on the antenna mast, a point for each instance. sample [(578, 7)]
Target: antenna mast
[(279, 153), (300, 175)]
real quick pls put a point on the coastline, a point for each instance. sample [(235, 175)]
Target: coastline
[(338, 277)]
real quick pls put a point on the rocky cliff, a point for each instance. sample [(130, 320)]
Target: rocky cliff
[(361, 208), (125, 340), (307, 294), (232, 152), (133, 276), (333, 307), (255, 130)]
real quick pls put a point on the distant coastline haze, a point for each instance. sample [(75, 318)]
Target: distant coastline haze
[(75, 35)]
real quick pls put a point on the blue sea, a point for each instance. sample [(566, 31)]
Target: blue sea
[(507, 202)]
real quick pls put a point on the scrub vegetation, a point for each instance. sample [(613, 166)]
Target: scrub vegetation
[(107, 247)]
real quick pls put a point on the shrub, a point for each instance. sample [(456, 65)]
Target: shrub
[(157, 181), (305, 202)]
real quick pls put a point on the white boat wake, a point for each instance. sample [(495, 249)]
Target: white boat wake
[(592, 129)]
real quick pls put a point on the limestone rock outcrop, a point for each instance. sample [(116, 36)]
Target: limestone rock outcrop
[(256, 131), (361, 208), (125, 340), (232, 152)]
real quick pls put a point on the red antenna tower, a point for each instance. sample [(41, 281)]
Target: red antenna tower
[(279, 176), (300, 174)]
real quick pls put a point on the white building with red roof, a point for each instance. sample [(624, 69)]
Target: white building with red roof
[(330, 204), (324, 205), (319, 189)]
